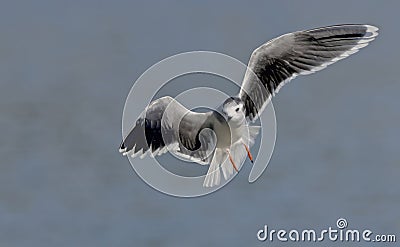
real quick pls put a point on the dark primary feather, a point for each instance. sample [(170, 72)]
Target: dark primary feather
[(147, 131), (165, 122), (304, 52)]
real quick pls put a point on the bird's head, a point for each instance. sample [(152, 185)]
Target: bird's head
[(233, 109)]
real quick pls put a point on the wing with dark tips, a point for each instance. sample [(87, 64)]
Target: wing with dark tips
[(299, 53), (166, 123)]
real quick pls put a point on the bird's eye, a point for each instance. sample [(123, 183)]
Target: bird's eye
[(237, 109)]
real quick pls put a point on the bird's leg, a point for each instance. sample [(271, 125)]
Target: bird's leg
[(248, 152), (232, 161)]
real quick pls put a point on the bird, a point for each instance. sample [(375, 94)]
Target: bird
[(222, 138)]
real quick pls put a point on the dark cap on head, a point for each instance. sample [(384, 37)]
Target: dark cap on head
[(237, 100)]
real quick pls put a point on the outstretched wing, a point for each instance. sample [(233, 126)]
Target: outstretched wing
[(282, 59), (166, 123)]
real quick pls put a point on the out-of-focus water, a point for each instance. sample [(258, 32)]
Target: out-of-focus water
[(66, 68)]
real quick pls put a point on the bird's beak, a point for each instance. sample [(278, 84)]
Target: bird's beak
[(228, 118)]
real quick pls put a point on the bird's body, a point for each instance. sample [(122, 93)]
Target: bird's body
[(223, 138)]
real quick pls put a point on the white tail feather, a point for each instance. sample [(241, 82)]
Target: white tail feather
[(220, 160), (213, 176)]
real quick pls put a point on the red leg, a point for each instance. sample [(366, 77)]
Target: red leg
[(232, 161), (248, 153)]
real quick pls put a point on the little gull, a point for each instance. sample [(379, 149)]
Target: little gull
[(223, 138)]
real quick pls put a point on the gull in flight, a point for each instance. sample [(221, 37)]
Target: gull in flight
[(223, 138)]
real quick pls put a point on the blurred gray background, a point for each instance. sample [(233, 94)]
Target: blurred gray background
[(66, 68)]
